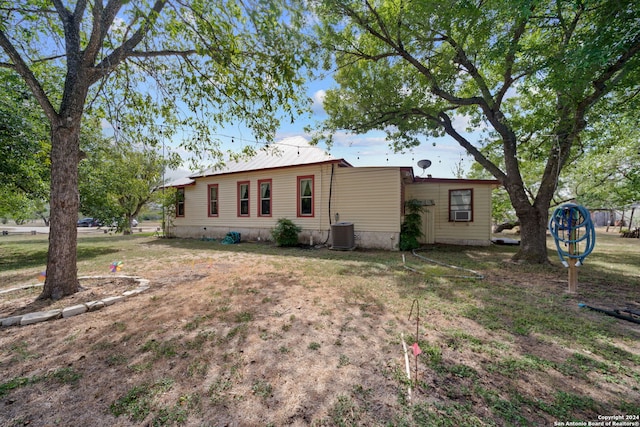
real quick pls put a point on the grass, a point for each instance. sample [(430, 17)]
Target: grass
[(512, 349)]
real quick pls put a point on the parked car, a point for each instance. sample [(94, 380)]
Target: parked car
[(88, 222), (134, 222)]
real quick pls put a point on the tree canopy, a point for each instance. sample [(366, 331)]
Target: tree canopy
[(24, 140), (116, 181), (523, 78)]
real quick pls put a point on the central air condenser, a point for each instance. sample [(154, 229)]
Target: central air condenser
[(342, 236)]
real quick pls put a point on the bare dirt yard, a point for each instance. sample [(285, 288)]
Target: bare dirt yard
[(263, 336)]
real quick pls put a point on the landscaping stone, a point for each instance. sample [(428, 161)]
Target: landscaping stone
[(94, 305), (74, 310), (11, 321), (112, 300), (39, 316)]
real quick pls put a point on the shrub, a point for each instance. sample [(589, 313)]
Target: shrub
[(285, 233), (411, 228)]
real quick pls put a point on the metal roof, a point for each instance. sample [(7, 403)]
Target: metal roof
[(179, 182), (292, 151)]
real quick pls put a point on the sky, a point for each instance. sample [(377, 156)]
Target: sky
[(370, 149)]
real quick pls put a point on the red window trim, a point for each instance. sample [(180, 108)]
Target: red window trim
[(248, 183), (209, 200), (184, 210), (260, 182), (471, 208), (313, 196)]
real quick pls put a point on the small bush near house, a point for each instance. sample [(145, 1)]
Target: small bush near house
[(285, 233), (411, 229)]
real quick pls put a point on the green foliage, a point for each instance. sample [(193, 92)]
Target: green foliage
[(314, 346), (24, 150), (411, 227), (611, 159), (116, 181), (24, 144), (12, 384), (285, 233)]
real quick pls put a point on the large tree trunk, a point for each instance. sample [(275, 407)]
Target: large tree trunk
[(533, 234), (62, 273)]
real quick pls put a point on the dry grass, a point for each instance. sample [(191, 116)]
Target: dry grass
[(252, 335)]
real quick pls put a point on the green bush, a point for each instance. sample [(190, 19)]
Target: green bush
[(285, 233), (411, 228)]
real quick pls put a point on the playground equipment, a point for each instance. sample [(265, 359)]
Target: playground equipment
[(571, 226)]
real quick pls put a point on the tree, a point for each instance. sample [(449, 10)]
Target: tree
[(116, 181), (524, 77), (216, 60)]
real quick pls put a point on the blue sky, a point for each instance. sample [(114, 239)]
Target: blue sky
[(372, 149)]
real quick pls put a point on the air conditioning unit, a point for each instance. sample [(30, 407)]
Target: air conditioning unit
[(342, 236), (462, 215)]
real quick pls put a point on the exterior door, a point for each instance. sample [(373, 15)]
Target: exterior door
[(428, 226)]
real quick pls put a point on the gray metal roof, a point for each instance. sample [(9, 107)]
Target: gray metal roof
[(292, 151), (179, 182)]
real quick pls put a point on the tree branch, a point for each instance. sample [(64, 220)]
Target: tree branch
[(445, 122), (23, 69), (108, 64), (159, 53)]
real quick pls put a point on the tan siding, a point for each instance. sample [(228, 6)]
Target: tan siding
[(283, 199), (368, 197), (445, 230)]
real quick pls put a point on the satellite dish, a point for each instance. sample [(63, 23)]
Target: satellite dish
[(424, 164)]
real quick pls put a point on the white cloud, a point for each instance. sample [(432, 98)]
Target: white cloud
[(318, 99)]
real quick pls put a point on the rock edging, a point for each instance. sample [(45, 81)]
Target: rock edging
[(74, 310)]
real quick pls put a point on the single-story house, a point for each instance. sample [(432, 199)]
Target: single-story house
[(331, 200)]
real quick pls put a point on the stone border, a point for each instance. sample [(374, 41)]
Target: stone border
[(74, 310)]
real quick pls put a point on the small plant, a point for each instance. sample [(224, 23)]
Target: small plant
[(411, 227), (137, 402), (116, 360), (262, 389), (160, 349), (244, 317), (285, 233), (13, 384), (66, 375), (343, 361), (314, 346)]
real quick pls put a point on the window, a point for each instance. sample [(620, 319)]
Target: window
[(461, 205), (213, 200), (305, 196), (180, 201), (264, 197), (243, 198)]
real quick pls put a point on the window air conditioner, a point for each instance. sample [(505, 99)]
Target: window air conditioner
[(462, 215)]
